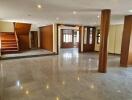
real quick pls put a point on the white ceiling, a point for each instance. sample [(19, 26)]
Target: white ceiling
[(87, 11)]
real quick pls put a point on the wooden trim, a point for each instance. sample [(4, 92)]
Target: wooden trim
[(70, 25)]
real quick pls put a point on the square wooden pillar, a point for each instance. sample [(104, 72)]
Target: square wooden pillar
[(126, 48), (105, 23)]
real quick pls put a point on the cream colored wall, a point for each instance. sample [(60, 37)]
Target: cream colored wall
[(111, 39), (55, 38), (114, 39), (97, 46), (119, 33), (6, 26)]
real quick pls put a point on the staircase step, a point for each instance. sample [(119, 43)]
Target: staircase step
[(9, 33), (9, 51), (8, 37), (8, 43)]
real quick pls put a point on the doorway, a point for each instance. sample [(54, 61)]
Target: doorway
[(69, 38), (34, 40), (89, 39)]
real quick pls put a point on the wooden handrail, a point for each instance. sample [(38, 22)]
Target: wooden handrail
[(16, 35), (17, 40)]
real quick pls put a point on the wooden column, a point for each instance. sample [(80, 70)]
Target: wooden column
[(80, 39), (126, 49), (105, 23)]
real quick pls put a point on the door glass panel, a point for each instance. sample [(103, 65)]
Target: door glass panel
[(67, 36), (85, 36), (91, 36), (77, 37), (98, 36), (64, 37)]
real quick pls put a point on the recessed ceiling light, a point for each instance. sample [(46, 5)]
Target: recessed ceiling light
[(39, 6), (130, 11), (74, 12), (27, 92), (98, 16)]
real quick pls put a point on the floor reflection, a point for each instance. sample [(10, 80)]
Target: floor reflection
[(68, 76)]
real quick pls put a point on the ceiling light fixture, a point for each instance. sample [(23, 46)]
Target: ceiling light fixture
[(27, 92), (39, 6), (74, 12), (98, 16), (130, 11)]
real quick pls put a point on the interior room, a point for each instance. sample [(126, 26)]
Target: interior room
[(65, 50)]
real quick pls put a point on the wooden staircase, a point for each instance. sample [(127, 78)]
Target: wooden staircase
[(9, 43)]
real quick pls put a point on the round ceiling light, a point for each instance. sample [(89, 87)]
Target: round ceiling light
[(74, 12), (39, 6)]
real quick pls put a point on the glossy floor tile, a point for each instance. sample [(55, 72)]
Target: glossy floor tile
[(68, 76)]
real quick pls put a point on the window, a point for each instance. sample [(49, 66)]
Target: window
[(91, 36), (77, 39), (98, 36), (85, 35), (67, 36), (76, 36)]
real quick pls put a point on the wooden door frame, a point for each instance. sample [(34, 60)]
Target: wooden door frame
[(37, 38), (71, 25), (89, 47), (66, 45)]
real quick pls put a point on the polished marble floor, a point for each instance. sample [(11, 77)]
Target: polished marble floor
[(68, 76)]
